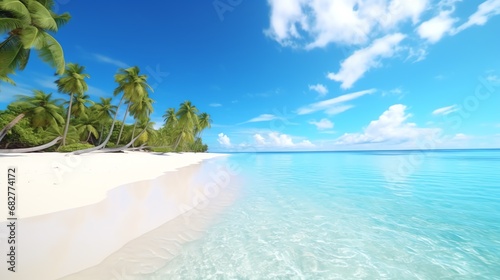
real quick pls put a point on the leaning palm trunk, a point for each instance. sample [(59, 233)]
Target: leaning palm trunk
[(119, 149), (133, 131), (67, 120), (103, 144), (123, 125), (33, 149), (10, 125)]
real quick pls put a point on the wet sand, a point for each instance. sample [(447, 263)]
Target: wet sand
[(134, 230)]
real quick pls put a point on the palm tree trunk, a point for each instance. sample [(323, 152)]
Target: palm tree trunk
[(10, 125), (67, 120), (126, 146), (177, 142), (88, 137), (123, 124), (103, 144), (32, 149), (133, 132), (100, 135)]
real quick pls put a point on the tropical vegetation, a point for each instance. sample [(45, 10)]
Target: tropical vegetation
[(41, 122)]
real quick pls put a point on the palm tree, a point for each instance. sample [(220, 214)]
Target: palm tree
[(41, 108), (81, 104), (134, 88), (87, 127), (204, 122), (170, 118), (131, 84), (58, 131), (141, 110), (73, 83), (104, 111), (188, 119), (28, 23)]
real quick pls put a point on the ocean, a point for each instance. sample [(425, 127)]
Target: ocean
[(352, 215)]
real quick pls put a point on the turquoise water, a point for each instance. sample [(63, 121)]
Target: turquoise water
[(354, 215)]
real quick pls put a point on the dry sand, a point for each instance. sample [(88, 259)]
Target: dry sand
[(78, 213)]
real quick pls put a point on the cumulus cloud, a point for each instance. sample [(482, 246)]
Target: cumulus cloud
[(317, 23), (322, 124), (335, 105), (224, 140), (278, 140), (445, 110), (434, 29), (391, 128), (356, 65), (319, 88)]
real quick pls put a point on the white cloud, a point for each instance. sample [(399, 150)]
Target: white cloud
[(224, 140), (460, 137), (263, 118), (323, 124), (390, 127), (317, 23), (434, 29), (319, 88), (93, 91), (109, 60), (356, 65), (445, 110), (335, 105), (493, 78), (278, 140), (485, 11), (215, 105), (47, 83), (8, 92)]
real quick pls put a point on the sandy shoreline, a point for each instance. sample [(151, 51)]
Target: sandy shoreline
[(52, 182), (76, 213)]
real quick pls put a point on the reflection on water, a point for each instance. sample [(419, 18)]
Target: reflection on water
[(54, 245)]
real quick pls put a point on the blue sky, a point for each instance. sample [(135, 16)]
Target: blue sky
[(299, 74)]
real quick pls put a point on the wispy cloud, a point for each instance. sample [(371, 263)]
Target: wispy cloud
[(8, 92), (48, 83), (215, 105), (323, 124), (109, 60), (361, 61), (319, 88), (335, 105), (445, 110), (97, 92), (485, 11), (262, 118)]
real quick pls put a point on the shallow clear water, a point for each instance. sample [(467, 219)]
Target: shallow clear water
[(354, 215)]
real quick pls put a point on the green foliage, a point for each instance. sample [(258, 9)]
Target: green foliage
[(74, 147), (28, 23)]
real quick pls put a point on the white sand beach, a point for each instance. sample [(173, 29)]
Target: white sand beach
[(76, 214), (52, 182)]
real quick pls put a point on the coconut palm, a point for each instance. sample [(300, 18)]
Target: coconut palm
[(58, 131), (141, 110), (43, 110), (28, 23), (87, 127), (73, 83), (204, 122), (170, 118), (188, 119), (134, 87), (81, 103), (104, 111), (131, 84)]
